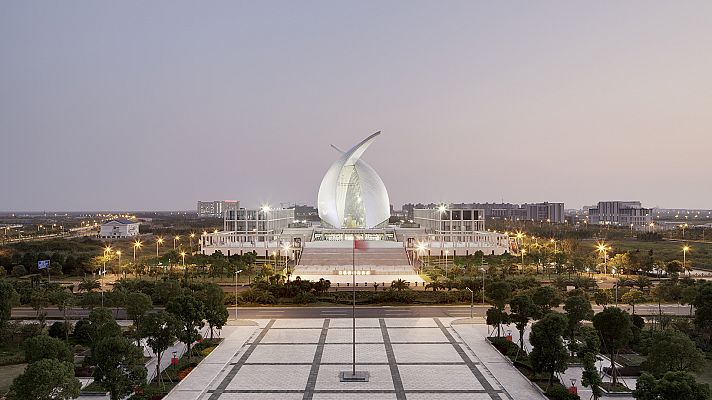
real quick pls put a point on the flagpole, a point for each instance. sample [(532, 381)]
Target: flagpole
[(353, 307)]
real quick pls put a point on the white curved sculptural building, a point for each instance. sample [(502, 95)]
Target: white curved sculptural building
[(352, 195)]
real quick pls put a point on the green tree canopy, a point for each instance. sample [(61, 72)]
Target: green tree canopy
[(216, 314), (672, 386), (47, 379), (189, 311), (45, 347), (159, 329), (119, 366), (548, 351), (546, 298), (672, 350), (103, 324), (522, 310), (578, 309), (615, 330), (8, 298)]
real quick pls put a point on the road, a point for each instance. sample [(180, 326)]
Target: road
[(440, 311)]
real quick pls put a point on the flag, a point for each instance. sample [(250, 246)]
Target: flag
[(43, 264), (360, 244)]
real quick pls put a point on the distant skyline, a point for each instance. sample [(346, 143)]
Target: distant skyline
[(156, 105)]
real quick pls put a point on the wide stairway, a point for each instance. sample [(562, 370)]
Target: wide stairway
[(335, 258)]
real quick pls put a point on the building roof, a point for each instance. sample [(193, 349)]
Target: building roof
[(122, 221)]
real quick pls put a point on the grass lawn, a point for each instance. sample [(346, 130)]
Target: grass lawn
[(8, 373), (700, 254)]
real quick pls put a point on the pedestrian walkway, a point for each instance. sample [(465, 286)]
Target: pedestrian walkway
[(407, 358)]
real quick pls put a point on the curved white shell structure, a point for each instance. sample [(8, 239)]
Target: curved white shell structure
[(352, 195)]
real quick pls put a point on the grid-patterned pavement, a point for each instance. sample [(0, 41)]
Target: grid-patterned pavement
[(407, 358)]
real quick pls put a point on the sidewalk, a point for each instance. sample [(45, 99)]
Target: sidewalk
[(474, 334)]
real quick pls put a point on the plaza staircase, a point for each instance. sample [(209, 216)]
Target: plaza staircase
[(330, 257)]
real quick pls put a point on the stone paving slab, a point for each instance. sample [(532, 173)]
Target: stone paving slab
[(409, 358)]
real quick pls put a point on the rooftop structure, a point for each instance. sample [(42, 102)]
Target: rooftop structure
[(352, 195)]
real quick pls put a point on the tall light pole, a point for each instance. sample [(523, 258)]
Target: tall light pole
[(137, 245), (192, 235), (603, 249), (286, 260), (237, 277), (483, 285), (158, 243), (175, 239), (524, 251), (472, 300), (182, 254), (118, 253), (685, 249), (446, 266)]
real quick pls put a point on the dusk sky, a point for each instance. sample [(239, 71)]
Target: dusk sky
[(137, 105)]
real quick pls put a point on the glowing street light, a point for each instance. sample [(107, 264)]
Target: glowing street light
[(137, 245), (685, 249), (603, 248), (192, 235), (524, 251), (118, 253), (286, 259), (175, 239), (182, 254), (159, 242)]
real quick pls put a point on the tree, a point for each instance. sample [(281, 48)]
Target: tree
[(578, 309), (548, 351), (499, 293), (47, 379), (672, 386), (545, 298), (45, 347), (64, 300), (119, 366), (160, 330), (689, 293), (642, 282), (39, 301), (216, 314), (602, 298), (633, 297), (89, 284), (399, 285), (672, 350), (522, 309), (590, 376), (103, 325), (137, 305), (8, 299), (497, 317), (189, 312), (703, 309), (615, 330), (673, 268), (116, 298), (18, 271), (620, 262)]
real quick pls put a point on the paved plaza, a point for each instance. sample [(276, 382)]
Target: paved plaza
[(407, 358)]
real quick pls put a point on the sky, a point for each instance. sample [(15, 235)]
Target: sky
[(137, 105)]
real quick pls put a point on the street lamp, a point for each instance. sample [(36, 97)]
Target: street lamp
[(182, 254), (472, 300), (603, 249), (446, 267), (685, 249), (421, 251), (286, 260), (175, 239), (118, 253), (137, 245), (237, 277), (158, 242), (192, 235), (483, 285), (524, 251)]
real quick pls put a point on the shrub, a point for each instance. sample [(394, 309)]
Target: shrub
[(206, 351), (304, 298), (19, 270), (41, 347), (59, 330), (560, 393), (83, 331)]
